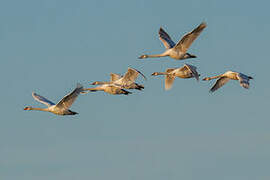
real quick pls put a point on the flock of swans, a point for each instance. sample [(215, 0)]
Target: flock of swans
[(118, 83)]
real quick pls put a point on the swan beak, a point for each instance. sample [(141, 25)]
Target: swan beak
[(143, 56)]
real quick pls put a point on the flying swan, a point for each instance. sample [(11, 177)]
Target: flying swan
[(62, 107), (224, 78), (177, 51), (187, 71)]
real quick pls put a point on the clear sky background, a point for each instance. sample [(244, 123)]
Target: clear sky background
[(185, 133)]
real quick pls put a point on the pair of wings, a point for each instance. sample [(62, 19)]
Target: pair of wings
[(129, 77), (243, 80), (169, 79), (186, 40), (65, 102)]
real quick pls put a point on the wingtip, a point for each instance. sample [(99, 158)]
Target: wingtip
[(203, 24), (168, 88), (160, 30)]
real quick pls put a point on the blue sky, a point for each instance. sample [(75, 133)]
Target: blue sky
[(185, 133)]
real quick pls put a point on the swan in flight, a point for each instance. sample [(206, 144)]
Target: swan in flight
[(177, 51), (62, 107), (108, 88), (126, 82), (224, 78), (187, 71)]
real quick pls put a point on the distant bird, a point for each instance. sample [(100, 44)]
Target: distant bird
[(126, 82), (187, 71), (62, 107), (224, 78), (108, 88), (177, 51)]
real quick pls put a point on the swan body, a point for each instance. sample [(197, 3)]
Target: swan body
[(224, 78), (177, 51), (108, 88), (126, 82), (62, 107), (187, 71)]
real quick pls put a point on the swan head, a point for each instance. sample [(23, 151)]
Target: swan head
[(95, 83), (206, 79), (27, 108), (143, 56), (155, 74)]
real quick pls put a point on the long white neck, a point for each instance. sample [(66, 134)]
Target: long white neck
[(156, 55), (101, 82), (159, 73), (213, 77), (98, 88), (40, 109)]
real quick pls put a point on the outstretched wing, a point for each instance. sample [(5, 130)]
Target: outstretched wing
[(169, 79), (243, 80), (220, 82), (166, 39), (69, 99), (188, 39), (114, 77), (132, 74), (42, 100), (193, 71)]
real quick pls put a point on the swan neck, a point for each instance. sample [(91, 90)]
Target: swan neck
[(156, 55), (39, 109), (160, 73), (93, 89), (215, 77), (101, 82)]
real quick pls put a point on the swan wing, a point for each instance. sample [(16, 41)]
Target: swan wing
[(220, 82), (114, 77), (188, 39), (193, 70), (169, 79), (132, 74), (243, 80), (42, 100), (166, 39), (69, 99)]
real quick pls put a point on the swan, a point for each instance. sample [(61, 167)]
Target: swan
[(187, 71), (108, 88), (224, 78), (62, 107), (177, 51), (126, 82)]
